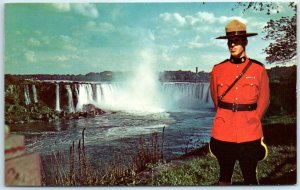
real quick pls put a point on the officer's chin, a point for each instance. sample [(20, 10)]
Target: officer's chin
[(234, 54)]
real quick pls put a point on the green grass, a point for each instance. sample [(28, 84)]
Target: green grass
[(278, 168), (197, 171)]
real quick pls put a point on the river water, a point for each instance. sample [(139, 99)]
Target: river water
[(134, 111), (116, 134)]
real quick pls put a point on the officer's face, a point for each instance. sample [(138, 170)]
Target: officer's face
[(236, 46)]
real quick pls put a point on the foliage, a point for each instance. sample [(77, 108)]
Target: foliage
[(149, 152), (283, 98), (258, 6), (280, 119), (76, 170), (281, 32)]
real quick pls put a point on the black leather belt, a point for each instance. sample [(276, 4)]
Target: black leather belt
[(237, 107)]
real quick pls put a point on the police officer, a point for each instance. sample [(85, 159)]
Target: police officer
[(240, 91)]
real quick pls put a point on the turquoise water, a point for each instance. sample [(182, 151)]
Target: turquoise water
[(116, 135)]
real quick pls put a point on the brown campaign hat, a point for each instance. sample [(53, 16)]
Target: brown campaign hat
[(235, 28)]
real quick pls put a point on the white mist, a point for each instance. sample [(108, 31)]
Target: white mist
[(139, 93)]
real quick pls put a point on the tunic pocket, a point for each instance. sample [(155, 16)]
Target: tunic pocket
[(219, 121), (252, 118), (222, 85), (250, 89), (219, 118)]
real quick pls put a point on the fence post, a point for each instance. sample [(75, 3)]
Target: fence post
[(21, 169)]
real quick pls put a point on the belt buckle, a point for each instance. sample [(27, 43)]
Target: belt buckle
[(234, 107)]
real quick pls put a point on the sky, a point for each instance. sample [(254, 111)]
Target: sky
[(78, 38)]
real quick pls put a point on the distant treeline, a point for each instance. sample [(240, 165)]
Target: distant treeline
[(282, 85), (103, 76), (276, 75)]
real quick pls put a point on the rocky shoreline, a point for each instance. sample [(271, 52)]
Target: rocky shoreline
[(36, 113)]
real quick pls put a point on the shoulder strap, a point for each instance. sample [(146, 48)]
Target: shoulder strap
[(237, 79)]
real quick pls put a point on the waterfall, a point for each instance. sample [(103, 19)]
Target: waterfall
[(27, 95), (186, 95), (77, 95), (169, 96), (106, 95), (34, 94), (70, 99), (99, 94), (85, 95), (173, 96), (57, 105)]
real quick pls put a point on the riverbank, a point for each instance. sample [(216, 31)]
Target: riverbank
[(278, 169), (196, 168), (199, 168)]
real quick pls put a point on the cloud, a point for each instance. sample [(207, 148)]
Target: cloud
[(106, 27), (173, 18), (34, 42), (88, 10), (189, 28), (30, 56), (193, 45), (63, 7), (151, 35), (100, 28), (205, 17), (91, 24), (255, 24), (106, 34), (85, 9), (62, 58), (196, 43), (198, 19), (56, 56), (181, 61), (166, 52), (166, 57), (103, 27)]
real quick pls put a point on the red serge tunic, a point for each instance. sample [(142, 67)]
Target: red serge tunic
[(253, 87)]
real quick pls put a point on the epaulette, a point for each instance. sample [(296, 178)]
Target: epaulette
[(257, 62), (222, 62)]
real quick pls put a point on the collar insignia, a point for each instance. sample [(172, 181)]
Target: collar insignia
[(237, 60)]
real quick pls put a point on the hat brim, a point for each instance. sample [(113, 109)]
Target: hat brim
[(229, 36)]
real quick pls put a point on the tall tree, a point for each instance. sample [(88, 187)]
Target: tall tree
[(281, 32)]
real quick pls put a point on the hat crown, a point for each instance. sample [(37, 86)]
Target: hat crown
[(235, 26)]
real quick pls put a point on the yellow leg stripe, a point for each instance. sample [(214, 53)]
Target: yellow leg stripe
[(211, 151), (265, 146)]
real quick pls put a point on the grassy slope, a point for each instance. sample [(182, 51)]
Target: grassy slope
[(200, 168), (278, 168), (197, 167)]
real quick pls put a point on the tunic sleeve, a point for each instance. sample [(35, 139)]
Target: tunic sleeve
[(213, 88), (264, 94)]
